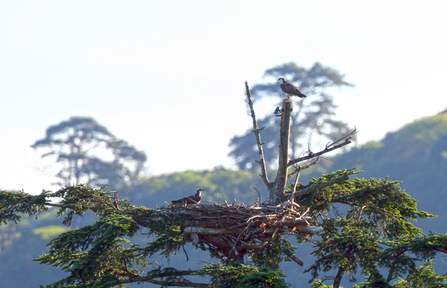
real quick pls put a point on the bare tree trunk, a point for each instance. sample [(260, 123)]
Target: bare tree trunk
[(282, 176), (277, 187), (337, 279)]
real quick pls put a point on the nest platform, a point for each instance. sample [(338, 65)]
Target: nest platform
[(233, 230)]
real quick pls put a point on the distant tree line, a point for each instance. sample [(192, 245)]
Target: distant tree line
[(367, 225)]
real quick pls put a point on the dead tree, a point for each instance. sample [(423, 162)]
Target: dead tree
[(276, 188), (230, 231)]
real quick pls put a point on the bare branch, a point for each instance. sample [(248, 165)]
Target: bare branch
[(345, 140), (298, 169), (309, 190), (297, 260), (257, 132), (259, 196), (292, 195)]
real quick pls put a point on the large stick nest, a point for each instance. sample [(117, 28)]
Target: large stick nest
[(232, 230)]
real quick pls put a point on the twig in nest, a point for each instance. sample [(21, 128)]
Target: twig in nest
[(231, 230), (305, 212), (259, 196), (292, 196)]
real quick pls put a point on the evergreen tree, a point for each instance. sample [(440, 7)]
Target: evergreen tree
[(373, 234), (354, 226)]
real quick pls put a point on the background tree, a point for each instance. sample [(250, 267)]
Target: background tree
[(90, 154), (313, 118), (364, 224), (420, 166)]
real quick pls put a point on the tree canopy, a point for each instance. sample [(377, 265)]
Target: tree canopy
[(91, 154), (367, 226), (354, 226)]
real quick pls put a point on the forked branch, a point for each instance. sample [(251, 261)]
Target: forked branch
[(343, 141), (300, 168)]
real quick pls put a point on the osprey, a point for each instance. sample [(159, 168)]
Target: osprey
[(188, 200), (289, 89)]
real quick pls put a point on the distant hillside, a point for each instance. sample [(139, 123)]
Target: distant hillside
[(416, 155)]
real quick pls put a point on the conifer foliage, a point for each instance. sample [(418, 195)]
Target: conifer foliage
[(354, 225)]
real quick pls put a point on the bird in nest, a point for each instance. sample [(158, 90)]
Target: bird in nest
[(289, 89), (189, 200)]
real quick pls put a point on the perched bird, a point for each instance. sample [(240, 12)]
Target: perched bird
[(277, 111), (289, 89), (188, 200)]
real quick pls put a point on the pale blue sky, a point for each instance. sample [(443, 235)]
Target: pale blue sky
[(133, 65)]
